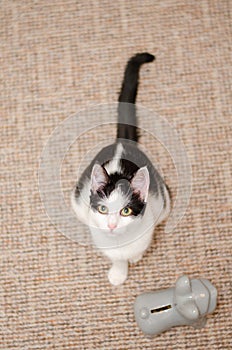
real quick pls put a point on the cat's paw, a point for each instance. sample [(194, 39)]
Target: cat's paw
[(136, 258), (116, 278), (117, 275)]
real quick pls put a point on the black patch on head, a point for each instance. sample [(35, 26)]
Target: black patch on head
[(116, 180), (128, 168), (95, 199), (136, 204), (121, 181)]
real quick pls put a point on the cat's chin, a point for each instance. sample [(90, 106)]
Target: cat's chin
[(114, 233), (111, 233)]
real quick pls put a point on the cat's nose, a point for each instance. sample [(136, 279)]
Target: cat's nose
[(112, 225)]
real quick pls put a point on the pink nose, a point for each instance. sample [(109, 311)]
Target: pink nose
[(112, 225)]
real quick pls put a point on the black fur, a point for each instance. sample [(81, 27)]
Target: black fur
[(131, 76), (127, 124)]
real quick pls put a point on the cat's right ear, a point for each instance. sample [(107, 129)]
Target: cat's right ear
[(99, 177), (141, 182)]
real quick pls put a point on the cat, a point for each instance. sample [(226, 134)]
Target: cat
[(121, 196)]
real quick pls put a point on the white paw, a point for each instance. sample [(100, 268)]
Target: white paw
[(117, 276), (136, 258)]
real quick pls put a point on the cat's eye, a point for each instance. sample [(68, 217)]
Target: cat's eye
[(102, 209), (126, 211)]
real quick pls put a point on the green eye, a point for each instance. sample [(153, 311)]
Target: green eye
[(102, 209), (126, 211)]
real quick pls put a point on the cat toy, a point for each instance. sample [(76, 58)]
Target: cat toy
[(187, 303)]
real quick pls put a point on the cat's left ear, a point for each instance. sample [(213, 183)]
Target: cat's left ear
[(141, 182), (99, 177)]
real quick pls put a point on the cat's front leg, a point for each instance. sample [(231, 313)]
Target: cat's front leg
[(118, 272)]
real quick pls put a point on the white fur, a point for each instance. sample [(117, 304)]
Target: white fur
[(113, 165)]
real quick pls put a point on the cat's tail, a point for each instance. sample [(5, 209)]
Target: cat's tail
[(127, 111)]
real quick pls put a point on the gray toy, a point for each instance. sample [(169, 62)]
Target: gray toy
[(187, 303)]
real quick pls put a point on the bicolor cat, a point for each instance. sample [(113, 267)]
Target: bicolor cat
[(121, 196)]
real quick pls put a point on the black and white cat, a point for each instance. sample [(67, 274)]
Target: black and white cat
[(121, 196)]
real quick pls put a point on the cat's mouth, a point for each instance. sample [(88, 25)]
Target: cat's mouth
[(111, 232)]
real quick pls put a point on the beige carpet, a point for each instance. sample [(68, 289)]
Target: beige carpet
[(60, 57)]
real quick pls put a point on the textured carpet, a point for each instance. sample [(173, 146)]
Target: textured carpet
[(58, 58)]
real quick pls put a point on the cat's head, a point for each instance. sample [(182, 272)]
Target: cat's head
[(117, 201)]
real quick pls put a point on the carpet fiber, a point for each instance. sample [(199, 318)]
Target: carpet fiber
[(60, 57)]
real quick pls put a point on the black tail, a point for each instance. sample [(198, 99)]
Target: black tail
[(127, 111)]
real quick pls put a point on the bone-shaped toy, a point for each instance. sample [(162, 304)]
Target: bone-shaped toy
[(187, 303)]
